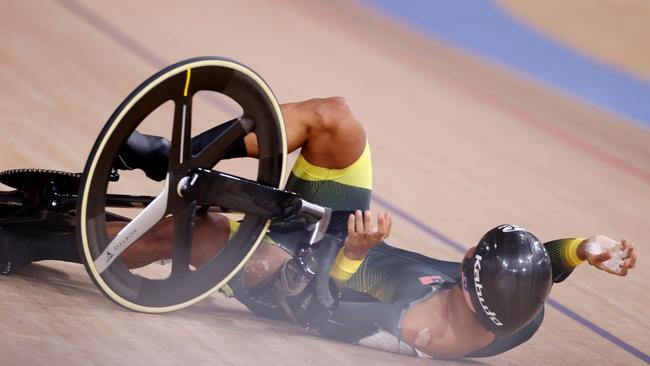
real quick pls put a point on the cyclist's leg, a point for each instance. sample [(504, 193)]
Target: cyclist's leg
[(326, 130), (333, 170), (330, 137), (210, 234)]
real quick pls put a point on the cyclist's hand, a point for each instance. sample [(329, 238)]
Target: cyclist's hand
[(598, 250), (363, 236)]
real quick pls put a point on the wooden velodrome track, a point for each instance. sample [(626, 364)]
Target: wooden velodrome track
[(459, 146)]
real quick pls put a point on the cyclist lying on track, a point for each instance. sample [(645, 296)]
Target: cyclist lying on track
[(388, 298)]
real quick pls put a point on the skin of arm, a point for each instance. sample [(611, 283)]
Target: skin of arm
[(362, 236), (598, 260)]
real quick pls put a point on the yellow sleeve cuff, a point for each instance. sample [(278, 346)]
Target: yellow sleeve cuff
[(344, 268), (571, 252)]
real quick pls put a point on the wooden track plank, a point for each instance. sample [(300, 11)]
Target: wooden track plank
[(465, 135)]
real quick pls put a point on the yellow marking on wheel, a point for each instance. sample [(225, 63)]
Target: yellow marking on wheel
[(187, 81)]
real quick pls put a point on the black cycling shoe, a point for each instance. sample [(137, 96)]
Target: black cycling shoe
[(151, 153), (146, 152)]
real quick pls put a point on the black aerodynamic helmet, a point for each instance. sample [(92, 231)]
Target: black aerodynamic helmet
[(508, 278)]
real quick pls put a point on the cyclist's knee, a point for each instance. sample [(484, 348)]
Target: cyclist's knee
[(332, 112)]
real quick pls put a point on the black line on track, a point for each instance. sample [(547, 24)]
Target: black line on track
[(123, 39)]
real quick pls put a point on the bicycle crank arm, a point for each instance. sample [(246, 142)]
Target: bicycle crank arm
[(212, 188)]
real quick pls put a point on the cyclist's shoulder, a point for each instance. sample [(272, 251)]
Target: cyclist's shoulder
[(409, 260)]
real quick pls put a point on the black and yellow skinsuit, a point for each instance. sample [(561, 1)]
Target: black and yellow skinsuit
[(375, 291), (378, 290)]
